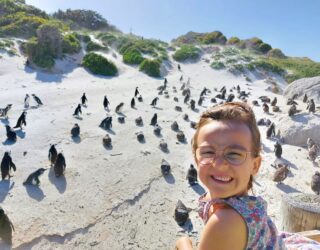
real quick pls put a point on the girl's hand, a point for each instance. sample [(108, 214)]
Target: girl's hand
[(184, 243)]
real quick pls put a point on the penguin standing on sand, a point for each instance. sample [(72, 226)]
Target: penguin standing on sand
[(33, 178), (154, 102), (133, 103), (37, 99), (21, 120), (75, 131), (77, 110), (6, 227), (136, 92), (6, 165), (84, 99), (60, 165), (26, 101), (11, 134), (105, 102), (192, 175), (154, 120), (52, 156)]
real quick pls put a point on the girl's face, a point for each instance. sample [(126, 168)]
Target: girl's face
[(230, 144)]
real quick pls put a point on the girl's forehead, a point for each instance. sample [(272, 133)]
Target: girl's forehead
[(225, 132)]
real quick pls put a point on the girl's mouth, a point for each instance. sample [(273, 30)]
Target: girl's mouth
[(221, 179)]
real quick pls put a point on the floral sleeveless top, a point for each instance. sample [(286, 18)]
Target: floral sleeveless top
[(262, 233)]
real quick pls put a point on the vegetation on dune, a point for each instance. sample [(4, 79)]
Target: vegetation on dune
[(87, 19), (215, 37), (98, 64), (276, 53), (92, 46), (217, 65), (150, 67), (70, 44), (132, 56), (233, 41), (186, 52)]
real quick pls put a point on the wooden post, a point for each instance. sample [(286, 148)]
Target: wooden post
[(300, 212)]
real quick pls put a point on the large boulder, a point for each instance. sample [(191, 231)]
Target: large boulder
[(309, 86), (297, 129)]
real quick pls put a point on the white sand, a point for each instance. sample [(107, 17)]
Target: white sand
[(115, 199)]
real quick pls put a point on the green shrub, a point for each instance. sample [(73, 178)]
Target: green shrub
[(91, 46), (70, 44), (213, 37), (132, 56), (233, 41), (108, 38), (98, 64), (218, 65), (186, 52), (39, 54), (230, 51), (264, 48), (276, 53), (150, 67), (231, 61), (264, 65)]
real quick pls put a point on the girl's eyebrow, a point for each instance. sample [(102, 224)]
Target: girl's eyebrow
[(232, 146)]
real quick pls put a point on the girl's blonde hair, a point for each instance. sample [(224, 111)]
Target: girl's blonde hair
[(235, 112)]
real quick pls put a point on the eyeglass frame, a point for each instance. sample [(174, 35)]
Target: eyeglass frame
[(213, 159)]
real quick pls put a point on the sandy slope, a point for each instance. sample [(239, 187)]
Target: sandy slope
[(115, 199)]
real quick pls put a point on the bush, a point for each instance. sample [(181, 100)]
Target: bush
[(264, 48), (70, 44), (276, 53), (233, 40), (213, 37), (218, 65), (132, 56), (264, 65), (186, 52), (151, 67), (91, 46), (39, 54), (98, 64)]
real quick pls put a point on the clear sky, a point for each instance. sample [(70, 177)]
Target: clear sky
[(291, 25)]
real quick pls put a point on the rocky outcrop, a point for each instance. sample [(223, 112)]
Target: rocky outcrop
[(309, 86)]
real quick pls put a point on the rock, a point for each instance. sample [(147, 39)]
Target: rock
[(297, 129), (308, 86)]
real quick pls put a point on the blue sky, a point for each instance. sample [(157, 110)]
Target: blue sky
[(291, 25)]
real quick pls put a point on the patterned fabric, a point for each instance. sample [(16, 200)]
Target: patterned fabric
[(262, 233), (299, 242)]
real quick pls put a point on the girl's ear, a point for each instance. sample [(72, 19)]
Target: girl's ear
[(256, 165)]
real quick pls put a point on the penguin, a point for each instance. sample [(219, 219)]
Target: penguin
[(192, 175), (136, 92), (6, 165), (154, 119), (203, 92), (119, 107), (59, 165), (11, 134), (265, 108), (179, 67), (181, 78), (311, 106), (105, 102), (77, 110), (281, 174), (192, 104), (271, 130), (133, 103), (6, 227), (26, 101), (154, 101), (75, 131), (274, 101), (278, 150), (230, 98), (140, 99), (165, 167), (52, 156), (315, 183), (200, 101), (186, 99), (165, 81), (21, 120), (37, 99), (106, 123), (84, 99), (293, 110), (33, 178), (181, 213), (313, 152), (305, 98)]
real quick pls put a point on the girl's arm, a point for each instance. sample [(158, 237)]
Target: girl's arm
[(184, 243), (225, 230)]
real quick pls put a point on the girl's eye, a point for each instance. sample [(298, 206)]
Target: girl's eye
[(207, 153), (234, 155)]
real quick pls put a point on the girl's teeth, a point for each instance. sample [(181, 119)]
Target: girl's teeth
[(222, 178)]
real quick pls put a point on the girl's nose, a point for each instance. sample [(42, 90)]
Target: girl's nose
[(219, 161)]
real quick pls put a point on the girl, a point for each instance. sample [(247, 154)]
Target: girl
[(226, 148)]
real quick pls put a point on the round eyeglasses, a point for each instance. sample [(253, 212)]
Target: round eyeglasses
[(234, 156)]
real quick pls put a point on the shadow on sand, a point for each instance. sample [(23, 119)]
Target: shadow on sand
[(35, 192), (169, 178), (287, 189), (198, 189), (5, 187), (59, 182)]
